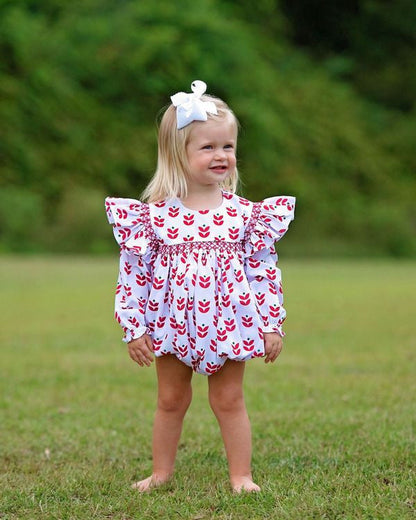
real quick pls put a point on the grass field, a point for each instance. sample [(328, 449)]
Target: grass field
[(333, 420)]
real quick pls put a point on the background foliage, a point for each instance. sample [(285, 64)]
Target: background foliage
[(324, 92)]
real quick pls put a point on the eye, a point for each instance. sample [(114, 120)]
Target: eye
[(229, 146), (207, 147)]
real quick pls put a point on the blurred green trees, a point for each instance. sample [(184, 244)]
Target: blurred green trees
[(323, 101)]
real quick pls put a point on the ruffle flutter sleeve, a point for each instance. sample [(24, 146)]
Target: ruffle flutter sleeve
[(269, 221), (133, 232)]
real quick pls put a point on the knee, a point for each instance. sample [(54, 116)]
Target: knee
[(227, 401), (176, 400)]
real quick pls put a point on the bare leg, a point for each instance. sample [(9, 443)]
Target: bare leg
[(174, 398), (227, 402)]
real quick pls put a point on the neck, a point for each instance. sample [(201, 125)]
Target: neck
[(203, 197)]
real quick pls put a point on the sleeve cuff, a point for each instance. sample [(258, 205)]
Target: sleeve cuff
[(132, 334), (277, 329)]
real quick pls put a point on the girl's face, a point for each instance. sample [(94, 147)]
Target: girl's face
[(211, 152)]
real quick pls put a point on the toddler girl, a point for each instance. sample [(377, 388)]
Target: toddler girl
[(198, 288)]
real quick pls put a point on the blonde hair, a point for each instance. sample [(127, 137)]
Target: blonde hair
[(169, 180)]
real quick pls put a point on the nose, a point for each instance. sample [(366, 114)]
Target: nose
[(220, 154)]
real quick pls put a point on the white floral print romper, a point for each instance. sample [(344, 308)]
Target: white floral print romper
[(203, 284)]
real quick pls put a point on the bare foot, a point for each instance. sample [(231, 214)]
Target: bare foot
[(244, 484), (149, 483)]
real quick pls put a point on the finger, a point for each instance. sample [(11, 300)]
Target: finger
[(142, 357), (272, 354), (136, 359), (147, 354), (147, 359), (268, 355), (277, 351), (135, 355)]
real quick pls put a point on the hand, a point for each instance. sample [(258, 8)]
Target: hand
[(273, 344), (141, 350)]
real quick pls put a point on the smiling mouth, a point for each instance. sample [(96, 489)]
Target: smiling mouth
[(219, 169)]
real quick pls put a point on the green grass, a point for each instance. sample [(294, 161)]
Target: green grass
[(333, 420)]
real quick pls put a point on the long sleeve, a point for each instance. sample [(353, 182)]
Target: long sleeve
[(269, 221), (265, 280), (133, 232), (133, 287)]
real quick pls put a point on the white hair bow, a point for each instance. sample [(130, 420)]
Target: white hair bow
[(189, 107)]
